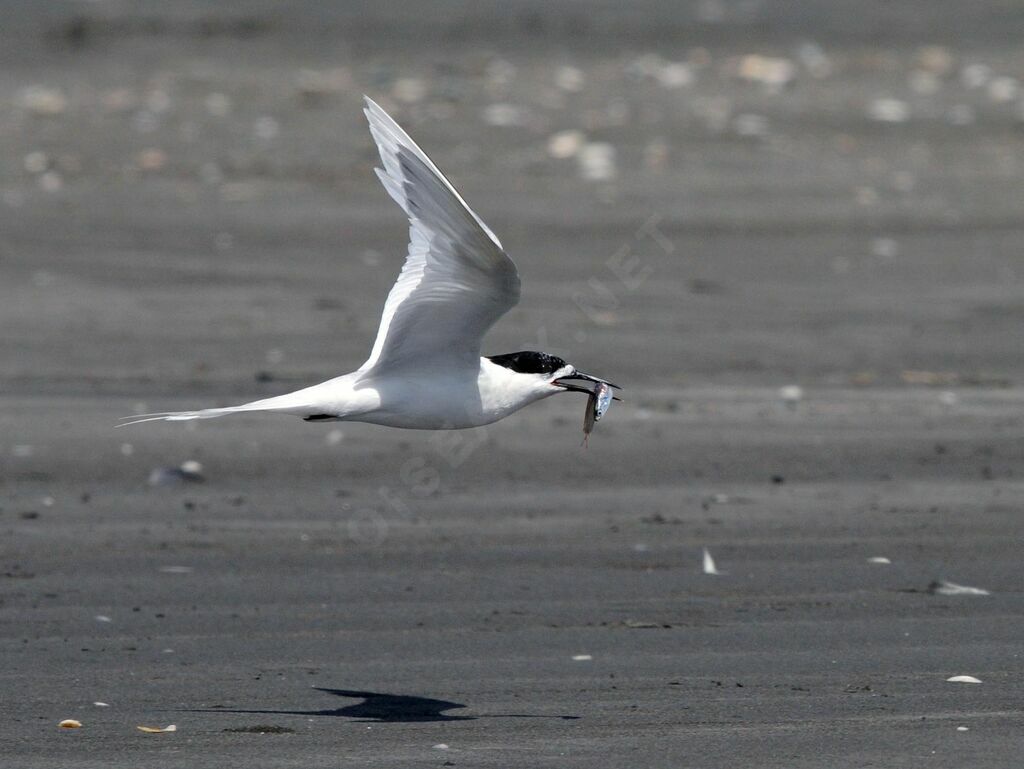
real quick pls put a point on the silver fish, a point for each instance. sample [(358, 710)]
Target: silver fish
[(597, 406)]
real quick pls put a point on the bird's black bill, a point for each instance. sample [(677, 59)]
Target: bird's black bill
[(574, 382)]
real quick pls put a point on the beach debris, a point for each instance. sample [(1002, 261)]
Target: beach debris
[(217, 104), (266, 128), (674, 74), (101, 704), (961, 115), (70, 723), (504, 115), (597, 162), (571, 79), (963, 680), (935, 59), (409, 89), (888, 110), (961, 729), (656, 155), (316, 85), (975, 75), (440, 746), (924, 83), (791, 395), (42, 101), (929, 378), (102, 618), (261, 729), (158, 729), (581, 658), (708, 565), (668, 74), (189, 471), (885, 248), (945, 587), (1003, 89), (566, 144), (51, 181), (814, 59), (158, 101), (36, 162), (750, 125), (176, 569), (879, 559), (151, 159), (774, 73), (499, 72)]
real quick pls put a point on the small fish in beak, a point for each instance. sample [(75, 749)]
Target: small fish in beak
[(597, 405)]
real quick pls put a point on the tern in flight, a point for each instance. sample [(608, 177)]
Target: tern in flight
[(425, 371)]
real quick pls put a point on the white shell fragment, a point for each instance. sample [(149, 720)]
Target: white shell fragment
[(791, 394), (581, 658), (945, 587), (70, 723), (709, 564), (157, 729), (878, 559), (176, 569), (963, 680)]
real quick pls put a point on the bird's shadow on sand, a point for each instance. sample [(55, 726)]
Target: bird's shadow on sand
[(380, 707)]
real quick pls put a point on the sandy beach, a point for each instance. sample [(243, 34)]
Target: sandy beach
[(794, 236)]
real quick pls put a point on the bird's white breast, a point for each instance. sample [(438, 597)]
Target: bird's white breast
[(443, 399)]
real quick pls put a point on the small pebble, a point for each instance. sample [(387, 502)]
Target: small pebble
[(36, 162), (791, 394), (975, 75), (885, 248), (1003, 89), (266, 128), (409, 90), (217, 104), (597, 161), (570, 79), (566, 144), (504, 115), (889, 110)]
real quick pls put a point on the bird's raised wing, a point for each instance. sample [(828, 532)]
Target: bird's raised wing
[(456, 281)]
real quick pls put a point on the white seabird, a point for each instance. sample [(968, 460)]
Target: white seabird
[(425, 370)]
